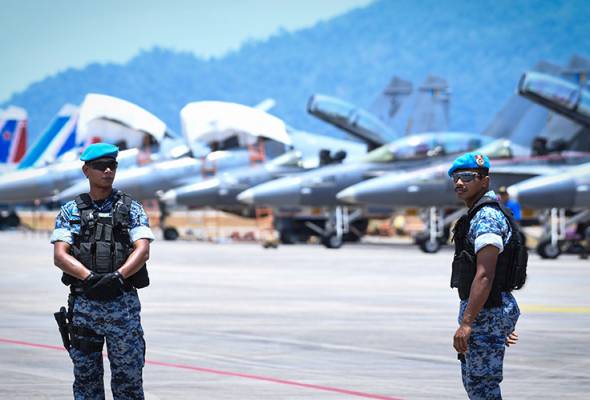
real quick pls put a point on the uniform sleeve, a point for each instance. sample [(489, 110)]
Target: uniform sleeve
[(490, 227), (139, 225), (63, 228)]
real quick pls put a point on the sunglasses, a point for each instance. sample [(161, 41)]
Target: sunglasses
[(465, 176), (103, 165)]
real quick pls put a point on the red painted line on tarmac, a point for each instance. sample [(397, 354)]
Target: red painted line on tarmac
[(225, 373), (29, 344)]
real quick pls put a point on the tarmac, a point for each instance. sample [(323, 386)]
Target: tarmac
[(236, 321)]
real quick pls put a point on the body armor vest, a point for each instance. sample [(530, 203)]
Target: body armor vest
[(104, 244), (511, 263)]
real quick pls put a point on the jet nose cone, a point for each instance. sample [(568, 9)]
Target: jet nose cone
[(169, 198), (25, 185), (348, 195), (199, 194), (71, 192), (286, 191), (246, 197), (546, 192)]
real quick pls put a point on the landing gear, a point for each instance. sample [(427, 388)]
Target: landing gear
[(429, 246), (548, 250), (556, 240), (437, 234), (333, 241), (169, 232), (9, 220)]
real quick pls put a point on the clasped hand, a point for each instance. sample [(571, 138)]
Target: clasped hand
[(104, 286)]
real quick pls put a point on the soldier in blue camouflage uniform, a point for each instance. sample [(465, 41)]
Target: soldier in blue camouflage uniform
[(103, 305), (488, 313)]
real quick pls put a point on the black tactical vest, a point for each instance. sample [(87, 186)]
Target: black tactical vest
[(104, 244), (511, 264)]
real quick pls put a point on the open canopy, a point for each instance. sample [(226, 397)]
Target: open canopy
[(217, 121), (114, 120)]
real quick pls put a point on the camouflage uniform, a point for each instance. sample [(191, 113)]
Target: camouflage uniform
[(481, 369), (117, 321)]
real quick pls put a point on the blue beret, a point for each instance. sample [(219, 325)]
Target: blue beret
[(472, 160), (99, 150)]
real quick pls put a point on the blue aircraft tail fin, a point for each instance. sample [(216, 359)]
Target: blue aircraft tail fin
[(58, 138)]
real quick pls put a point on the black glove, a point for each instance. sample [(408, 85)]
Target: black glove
[(90, 280), (108, 287)]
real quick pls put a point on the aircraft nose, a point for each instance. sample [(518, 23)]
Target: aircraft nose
[(246, 197), (169, 198), (348, 195), (24, 186), (286, 191), (546, 192), (71, 192), (200, 194)]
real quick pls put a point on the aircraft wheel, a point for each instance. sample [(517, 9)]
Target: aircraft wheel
[(287, 236), (171, 233), (12, 220), (547, 250), (430, 247), (332, 242)]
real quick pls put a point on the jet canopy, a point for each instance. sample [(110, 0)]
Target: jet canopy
[(354, 120), (504, 148), (567, 94), (226, 125), (425, 145), (292, 158), (117, 121)]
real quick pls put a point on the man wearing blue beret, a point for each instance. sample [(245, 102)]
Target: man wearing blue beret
[(101, 243), (489, 262)]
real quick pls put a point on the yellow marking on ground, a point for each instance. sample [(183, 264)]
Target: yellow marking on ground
[(539, 308)]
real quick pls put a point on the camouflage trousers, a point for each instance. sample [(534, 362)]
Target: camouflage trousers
[(118, 322), (481, 369)]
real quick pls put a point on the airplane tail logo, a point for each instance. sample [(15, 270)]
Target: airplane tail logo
[(13, 135)]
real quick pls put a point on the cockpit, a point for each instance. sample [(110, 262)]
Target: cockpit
[(427, 145)]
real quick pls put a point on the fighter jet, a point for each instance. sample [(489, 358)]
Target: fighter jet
[(13, 137), (101, 118), (57, 139)]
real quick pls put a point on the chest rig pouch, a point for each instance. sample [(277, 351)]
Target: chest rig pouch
[(104, 244), (510, 266)]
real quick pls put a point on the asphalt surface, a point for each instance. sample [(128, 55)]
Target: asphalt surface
[(235, 321)]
